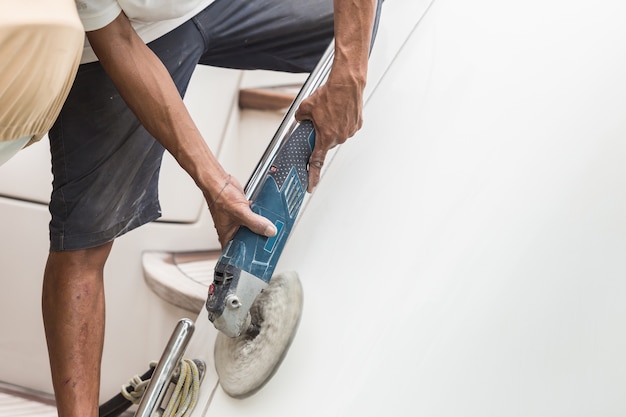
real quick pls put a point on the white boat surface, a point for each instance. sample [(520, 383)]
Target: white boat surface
[(462, 255)]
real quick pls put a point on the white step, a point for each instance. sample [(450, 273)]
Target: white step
[(181, 278)]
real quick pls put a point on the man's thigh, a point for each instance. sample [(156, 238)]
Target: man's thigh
[(282, 35)]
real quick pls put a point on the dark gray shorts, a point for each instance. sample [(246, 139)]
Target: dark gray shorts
[(106, 166)]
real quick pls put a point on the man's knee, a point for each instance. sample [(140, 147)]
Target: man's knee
[(268, 34), (78, 262)]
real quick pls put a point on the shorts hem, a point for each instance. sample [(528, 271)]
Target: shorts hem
[(63, 242)]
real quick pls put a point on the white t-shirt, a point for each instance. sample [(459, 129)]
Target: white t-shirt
[(150, 18)]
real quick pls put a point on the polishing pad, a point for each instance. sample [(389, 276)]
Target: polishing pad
[(245, 363)]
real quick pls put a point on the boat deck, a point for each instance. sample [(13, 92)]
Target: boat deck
[(14, 405), (20, 402)]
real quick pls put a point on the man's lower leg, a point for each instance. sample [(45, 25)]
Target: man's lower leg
[(74, 312)]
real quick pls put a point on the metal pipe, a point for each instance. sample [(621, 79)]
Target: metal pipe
[(171, 357)]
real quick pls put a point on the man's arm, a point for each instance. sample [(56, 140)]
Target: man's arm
[(336, 108), (146, 86)]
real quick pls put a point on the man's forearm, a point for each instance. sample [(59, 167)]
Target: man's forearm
[(149, 91), (353, 33)]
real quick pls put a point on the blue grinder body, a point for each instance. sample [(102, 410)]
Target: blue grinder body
[(247, 263), (279, 200)]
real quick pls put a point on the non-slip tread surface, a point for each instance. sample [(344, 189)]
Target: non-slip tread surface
[(18, 402), (17, 406)]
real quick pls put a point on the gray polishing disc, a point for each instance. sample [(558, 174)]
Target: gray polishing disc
[(245, 363)]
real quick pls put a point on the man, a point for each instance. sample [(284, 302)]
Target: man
[(106, 161), (40, 46)]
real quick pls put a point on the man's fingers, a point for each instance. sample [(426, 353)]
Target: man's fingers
[(261, 226), (314, 179), (316, 162), (304, 110)]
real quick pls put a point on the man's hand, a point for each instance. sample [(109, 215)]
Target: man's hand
[(336, 107), (230, 209), (336, 112)]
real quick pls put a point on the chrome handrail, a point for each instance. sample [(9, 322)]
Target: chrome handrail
[(171, 357)]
